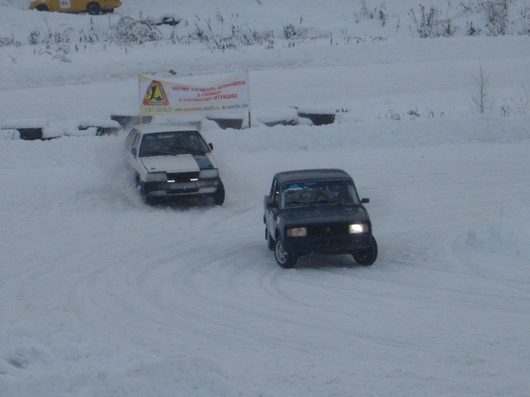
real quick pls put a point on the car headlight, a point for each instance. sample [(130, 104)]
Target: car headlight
[(156, 177), (209, 174), (297, 232), (357, 228)]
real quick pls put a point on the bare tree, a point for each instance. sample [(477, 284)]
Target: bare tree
[(481, 97)]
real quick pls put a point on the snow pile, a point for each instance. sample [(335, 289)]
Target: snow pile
[(92, 368)]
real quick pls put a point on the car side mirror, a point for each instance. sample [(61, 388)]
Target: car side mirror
[(210, 145), (269, 202), (365, 200)]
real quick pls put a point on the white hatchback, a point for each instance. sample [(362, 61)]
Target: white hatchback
[(173, 161)]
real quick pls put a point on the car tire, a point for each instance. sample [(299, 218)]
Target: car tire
[(141, 190), (42, 7), (219, 195), (284, 258), (367, 257), (93, 8)]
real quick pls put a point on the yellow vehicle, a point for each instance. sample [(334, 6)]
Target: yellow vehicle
[(93, 7)]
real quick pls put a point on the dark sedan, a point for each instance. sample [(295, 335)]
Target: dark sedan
[(317, 211)]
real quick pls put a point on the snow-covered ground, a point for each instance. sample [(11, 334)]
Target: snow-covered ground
[(101, 295)]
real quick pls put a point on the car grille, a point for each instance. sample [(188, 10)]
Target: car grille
[(337, 229), (182, 176)]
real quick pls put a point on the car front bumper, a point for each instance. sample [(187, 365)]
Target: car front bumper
[(167, 189), (327, 245)]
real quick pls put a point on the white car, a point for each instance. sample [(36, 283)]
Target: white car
[(173, 161)]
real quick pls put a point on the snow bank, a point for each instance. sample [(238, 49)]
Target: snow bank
[(36, 362)]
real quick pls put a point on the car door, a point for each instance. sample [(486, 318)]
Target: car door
[(63, 5), (271, 212)]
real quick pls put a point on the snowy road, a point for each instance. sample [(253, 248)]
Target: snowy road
[(121, 294), (101, 295)]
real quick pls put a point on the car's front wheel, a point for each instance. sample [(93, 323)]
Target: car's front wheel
[(367, 257), (219, 195), (93, 8), (42, 7), (142, 191), (284, 258)]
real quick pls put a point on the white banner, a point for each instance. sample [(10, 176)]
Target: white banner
[(227, 95)]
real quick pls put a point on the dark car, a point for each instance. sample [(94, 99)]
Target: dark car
[(317, 211)]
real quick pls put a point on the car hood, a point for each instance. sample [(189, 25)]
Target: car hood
[(324, 215), (177, 163)]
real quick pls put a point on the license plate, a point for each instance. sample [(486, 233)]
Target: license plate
[(183, 186)]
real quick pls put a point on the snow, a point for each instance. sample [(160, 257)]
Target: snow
[(101, 295)]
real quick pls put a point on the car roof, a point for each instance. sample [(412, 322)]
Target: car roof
[(152, 128), (311, 175)]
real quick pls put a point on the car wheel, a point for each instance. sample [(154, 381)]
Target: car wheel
[(42, 7), (219, 195), (141, 190), (93, 8), (270, 241), (367, 257), (284, 258)]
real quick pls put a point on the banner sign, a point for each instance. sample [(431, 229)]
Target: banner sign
[(229, 94)]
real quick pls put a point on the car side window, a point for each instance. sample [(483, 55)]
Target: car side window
[(273, 186), (130, 137), (275, 193), (135, 144)]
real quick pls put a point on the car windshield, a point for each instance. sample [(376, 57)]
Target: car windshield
[(172, 143), (318, 193)]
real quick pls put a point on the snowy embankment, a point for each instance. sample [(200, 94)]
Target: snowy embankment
[(101, 295)]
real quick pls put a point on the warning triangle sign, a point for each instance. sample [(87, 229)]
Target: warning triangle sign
[(155, 95)]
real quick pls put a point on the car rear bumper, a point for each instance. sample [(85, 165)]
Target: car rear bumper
[(327, 245)]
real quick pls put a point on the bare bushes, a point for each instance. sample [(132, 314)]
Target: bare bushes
[(481, 96), (223, 33), (9, 41), (365, 11), (497, 12), (50, 37), (130, 31), (467, 17), (431, 22)]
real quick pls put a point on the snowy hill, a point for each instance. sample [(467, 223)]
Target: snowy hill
[(101, 295)]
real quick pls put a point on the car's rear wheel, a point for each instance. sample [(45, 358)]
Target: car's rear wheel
[(284, 258), (42, 7), (367, 257), (93, 8), (219, 195)]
